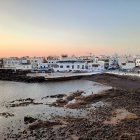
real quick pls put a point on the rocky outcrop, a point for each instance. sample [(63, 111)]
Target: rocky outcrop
[(19, 76)]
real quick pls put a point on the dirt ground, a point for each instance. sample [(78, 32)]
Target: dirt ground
[(124, 82)]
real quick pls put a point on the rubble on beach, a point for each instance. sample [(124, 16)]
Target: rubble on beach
[(111, 115)]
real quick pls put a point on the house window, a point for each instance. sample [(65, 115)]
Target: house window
[(72, 66), (68, 66), (78, 67), (56, 66), (61, 66), (83, 67), (95, 65), (123, 64)]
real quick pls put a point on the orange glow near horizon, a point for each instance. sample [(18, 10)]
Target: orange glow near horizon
[(7, 51), (34, 28), (11, 46), (14, 45)]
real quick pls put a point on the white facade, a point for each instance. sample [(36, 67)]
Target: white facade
[(87, 58), (138, 62), (16, 63), (52, 60), (24, 67), (126, 63), (42, 66), (11, 63), (35, 61), (96, 66), (63, 64), (113, 63), (127, 66), (69, 65), (78, 65)]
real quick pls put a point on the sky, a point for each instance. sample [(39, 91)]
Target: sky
[(80, 27)]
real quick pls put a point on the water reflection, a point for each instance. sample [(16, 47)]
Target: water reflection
[(15, 90), (10, 91)]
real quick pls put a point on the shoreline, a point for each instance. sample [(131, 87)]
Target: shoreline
[(28, 77), (117, 81), (115, 116)]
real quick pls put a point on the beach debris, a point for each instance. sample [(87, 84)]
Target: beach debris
[(98, 104), (42, 124), (55, 96), (6, 114), (22, 102), (119, 115), (28, 119)]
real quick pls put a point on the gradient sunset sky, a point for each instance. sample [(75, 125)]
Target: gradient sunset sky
[(54, 27)]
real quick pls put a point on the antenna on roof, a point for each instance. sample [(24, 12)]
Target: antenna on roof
[(90, 54)]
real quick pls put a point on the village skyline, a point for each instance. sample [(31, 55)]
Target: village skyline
[(73, 55)]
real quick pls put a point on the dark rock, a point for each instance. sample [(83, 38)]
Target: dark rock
[(28, 119)]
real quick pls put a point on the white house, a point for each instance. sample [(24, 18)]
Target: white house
[(16, 63), (126, 63), (34, 61), (70, 65), (11, 63), (42, 66), (113, 62), (96, 66), (90, 58), (138, 62), (76, 64), (52, 61), (128, 66), (24, 67)]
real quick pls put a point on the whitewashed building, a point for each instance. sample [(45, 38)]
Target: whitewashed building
[(126, 63), (35, 61), (57, 64), (90, 58), (78, 65), (113, 62), (51, 60), (69, 65), (96, 66), (42, 66), (11, 63), (16, 63), (24, 67), (138, 62)]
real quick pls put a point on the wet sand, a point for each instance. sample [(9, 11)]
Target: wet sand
[(118, 118), (118, 81)]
